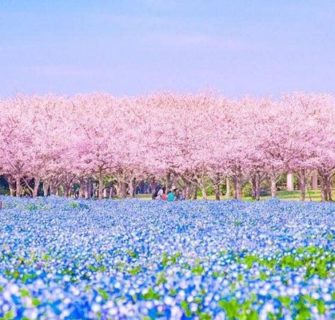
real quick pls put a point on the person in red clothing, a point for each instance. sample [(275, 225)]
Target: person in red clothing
[(164, 196)]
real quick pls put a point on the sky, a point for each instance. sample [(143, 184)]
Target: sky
[(136, 47)]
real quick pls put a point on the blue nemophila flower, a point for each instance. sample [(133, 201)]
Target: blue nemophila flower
[(152, 260)]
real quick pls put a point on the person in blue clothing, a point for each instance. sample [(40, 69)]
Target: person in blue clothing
[(171, 196)]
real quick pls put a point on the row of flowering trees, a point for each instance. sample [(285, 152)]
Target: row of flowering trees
[(52, 143)]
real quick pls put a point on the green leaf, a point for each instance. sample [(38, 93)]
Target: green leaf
[(132, 254), (321, 306), (24, 293), (9, 315), (205, 316), (151, 295), (135, 271), (285, 301), (187, 311), (36, 302), (230, 307), (103, 293), (198, 270), (161, 279)]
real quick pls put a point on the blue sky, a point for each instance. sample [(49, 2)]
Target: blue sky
[(131, 47)]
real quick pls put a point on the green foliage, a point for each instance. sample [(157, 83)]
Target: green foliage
[(173, 292), (12, 274), (302, 310), (35, 302), (24, 293), (239, 310), (249, 260), (151, 295), (103, 293), (198, 270), (28, 276), (132, 254), (247, 190), (204, 316), (186, 308), (161, 279), (231, 308), (78, 205), (35, 207), (8, 315), (135, 271), (170, 260), (95, 268)]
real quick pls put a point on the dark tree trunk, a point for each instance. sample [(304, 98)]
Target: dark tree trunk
[(11, 185), (188, 190), (302, 184), (88, 191), (217, 192), (132, 187), (217, 186), (122, 189), (18, 186), (195, 194), (81, 188), (237, 187), (168, 181), (67, 189), (273, 186), (256, 186), (101, 186), (53, 189), (36, 186)]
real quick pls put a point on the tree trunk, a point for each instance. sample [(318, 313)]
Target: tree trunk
[(329, 188), (36, 186), (237, 187), (11, 185), (314, 182), (67, 190), (81, 188), (18, 186), (256, 186), (217, 192), (324, 194), (101, 186), (111, 191), (88, 189), (53, 189), (217, 186), (45, 189), (302, 183), (132, 187), (11, 190), (187, 190), (326, 185), (289, 182), (195, 194), (227, 188), (168, 181), (273, 186), (122, 189), (204, 192)]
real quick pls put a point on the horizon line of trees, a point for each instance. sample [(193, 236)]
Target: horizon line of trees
[(100, 145)]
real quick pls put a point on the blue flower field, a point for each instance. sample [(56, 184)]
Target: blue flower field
[(133, 259)]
